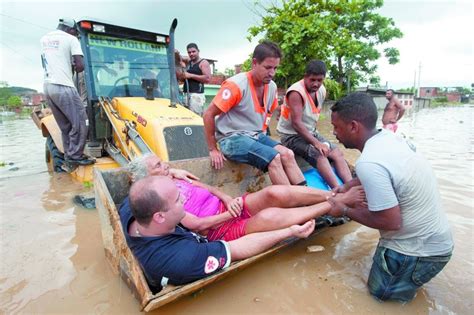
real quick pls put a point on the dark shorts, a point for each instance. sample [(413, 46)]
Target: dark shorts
[(395, 276), (304, 149), (257, 151)]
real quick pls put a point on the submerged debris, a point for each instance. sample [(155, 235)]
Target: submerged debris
[(88, 203), (314, 248)]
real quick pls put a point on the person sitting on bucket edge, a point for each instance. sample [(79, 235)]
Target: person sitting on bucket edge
[(243, 106), (297, 125)]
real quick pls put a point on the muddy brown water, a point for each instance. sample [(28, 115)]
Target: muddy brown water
[(52, 260)]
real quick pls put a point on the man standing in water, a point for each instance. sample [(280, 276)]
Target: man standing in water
[(197, 73), (61, 52), (243, 107), (403, 202), (392, 112)]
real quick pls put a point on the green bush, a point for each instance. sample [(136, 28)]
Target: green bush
[(334, 89)]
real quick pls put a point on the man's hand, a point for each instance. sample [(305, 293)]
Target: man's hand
[(235, 206), (303, 231), (322, 148), (183, 174), (354, 198), (217, 159), (339, 189)]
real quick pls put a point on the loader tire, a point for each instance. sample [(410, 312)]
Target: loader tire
[(54, 158)]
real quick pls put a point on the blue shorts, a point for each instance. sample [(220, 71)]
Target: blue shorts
[(257, 151), (395, 276)]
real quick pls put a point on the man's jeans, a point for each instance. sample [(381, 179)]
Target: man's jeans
[(395, 276)]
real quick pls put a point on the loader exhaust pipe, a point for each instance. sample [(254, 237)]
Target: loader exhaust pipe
[(173, 80)]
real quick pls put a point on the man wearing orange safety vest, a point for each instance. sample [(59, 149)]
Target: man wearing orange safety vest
[(244, 105), (297, 125)]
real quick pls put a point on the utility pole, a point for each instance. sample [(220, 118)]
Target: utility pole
[(414, 83), (419, 79)]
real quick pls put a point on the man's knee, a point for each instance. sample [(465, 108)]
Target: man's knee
[(287, 154), (275, 164), (336, 154), (390, 277)]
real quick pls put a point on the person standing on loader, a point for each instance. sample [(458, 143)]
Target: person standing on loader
[(198, 72), (61, 54)]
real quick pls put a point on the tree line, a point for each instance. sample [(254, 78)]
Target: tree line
[(10, 97)]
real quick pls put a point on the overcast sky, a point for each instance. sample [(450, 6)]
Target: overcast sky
[(436, 33)]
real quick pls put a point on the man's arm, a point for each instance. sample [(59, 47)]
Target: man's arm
[(296, 105), (198, 224), (389, 219), (233, 205), (255, 243), (182, 174), (217, 158), (401, 109), (381, 198), (78, 63), (205, 77)]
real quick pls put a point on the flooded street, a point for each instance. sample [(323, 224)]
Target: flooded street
[(52, 259)]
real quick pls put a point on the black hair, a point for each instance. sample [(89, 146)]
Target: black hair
[(391, 90), (266, 49), (359, 107), (192, 45), (145, 201), (315, 67)]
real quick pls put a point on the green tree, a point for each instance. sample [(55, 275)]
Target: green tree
[(229, 72), (346, 34), (410, 90), (14, 101), (5, 93), (333, 89)]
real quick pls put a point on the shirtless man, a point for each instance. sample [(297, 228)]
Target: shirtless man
[(392, 112)]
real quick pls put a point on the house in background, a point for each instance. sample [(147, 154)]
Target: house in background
[(430, 92), (32, 99), (453, 96)]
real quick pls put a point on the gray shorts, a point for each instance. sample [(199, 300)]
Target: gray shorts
[(302, 148), (196, 102)]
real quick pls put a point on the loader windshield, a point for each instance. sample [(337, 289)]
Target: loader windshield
[(117, 66)]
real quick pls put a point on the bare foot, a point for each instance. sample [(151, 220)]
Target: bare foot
[(304, 230), (354, 197)]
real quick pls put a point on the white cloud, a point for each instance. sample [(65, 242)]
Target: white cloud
[(444, 47)]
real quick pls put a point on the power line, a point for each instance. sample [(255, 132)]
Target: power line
[(19, 53), (26, 22)]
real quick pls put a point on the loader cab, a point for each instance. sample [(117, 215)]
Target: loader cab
[(117, 59)]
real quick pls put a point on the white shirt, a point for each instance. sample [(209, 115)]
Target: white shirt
[(393, 174), (57, 49)]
